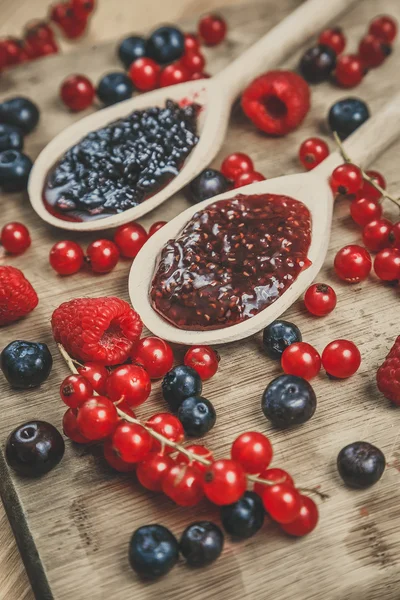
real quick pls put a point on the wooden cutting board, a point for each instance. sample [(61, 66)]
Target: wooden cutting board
[(73, 526)]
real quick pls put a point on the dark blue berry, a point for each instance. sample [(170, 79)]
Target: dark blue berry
[(360, 464), (201, 543), (130, 49), (26, 364), (11, 138), (20, 112), (197, 416), (206, 185), (153, 551), (288, 400), (245, 517), (165, 45), (180, 383), (34, 448), (15, 168), (278, 336), (347, 115), (317, 63), (114, 87)]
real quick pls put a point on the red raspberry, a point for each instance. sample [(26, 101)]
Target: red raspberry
[(102, 330), (17, 296), (388, 375), (277, 102)]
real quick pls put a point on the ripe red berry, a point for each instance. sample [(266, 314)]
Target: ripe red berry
[(364, 210), (97, 418), (145, 74), (346, 179), (376, 234), (235, 164), (66, 257), (37, 33), (75, 390), (301, 359), (184, 485), (71, 429), (77, 92), (373, 51), (173, 74), (212, 29), (395, 235), (202, 359), (282, 502), (129, 384), (320, 299), (248, 178), (224, 482), (350, 70), (312, 152), (384, 27), (353, 263), (131, 442), (97, 375), (15, 238), (275, 475), (192, 42), (253, 451), (170, 427), (306, 520), (193, 61), (387, 264), (115, 461), (156, 226), (102, 255), (152, 470), (199, 451), (83, 8), (154, 355), (341, 359), (334, 38), (130, 238), (369, 190)]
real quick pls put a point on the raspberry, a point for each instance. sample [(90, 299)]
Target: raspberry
[(17, 296), (388, 375), (277, 102), (101, 330)]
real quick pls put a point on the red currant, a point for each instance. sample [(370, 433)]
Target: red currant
[(253, 451), (170, 427), (184, 485), (346, 179), (97, 418), (154, 355), (373, 51), (384, 27), (224, 482), (130, 238), (248, 178), (102, 255), (202, 359), (192, 43), (130, 384), (212, 29), (38, 32), (395, 235), (173, 74), (387, 264), (364, 210), (306, 520), (131, 442), (83, 8), (145, 74), (334, 38), (14, 52), (275, 475), (236, 164), (153, 469), (75, 390), (66, 257), (282, 502), (97, 375), (369, 190), (350, 70), (68, 21), (116, 461), (156, 226), (301, 359), (198, 450), (353, 263), (320, 299), (312, 152), (193, 61), (77, 92), (203, 75), (15, 238), (376, 234), (341, 359), (71, 429)]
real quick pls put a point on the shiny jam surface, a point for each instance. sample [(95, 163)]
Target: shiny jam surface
[(231, 260)]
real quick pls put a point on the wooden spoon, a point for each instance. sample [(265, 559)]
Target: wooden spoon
[(311, 188), (216, 95)]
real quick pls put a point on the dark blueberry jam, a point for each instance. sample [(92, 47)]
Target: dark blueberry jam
[(232, 260), (117, 167)]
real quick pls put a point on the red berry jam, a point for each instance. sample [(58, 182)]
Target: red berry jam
[(232, 260)]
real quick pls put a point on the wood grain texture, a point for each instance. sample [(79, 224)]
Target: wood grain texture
[(81, 515)]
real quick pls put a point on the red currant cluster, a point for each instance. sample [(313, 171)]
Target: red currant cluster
[(239, 168)]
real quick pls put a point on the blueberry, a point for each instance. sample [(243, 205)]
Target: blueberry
[(114, 87), (34, 448), (288, 400), (165, 44), (130, 49), (201, 543), (26, 364), (11, 138), (317, 63), (243, 518), (206, 185), (20, 112), (14, 170), (180, 383), (278, 336), (153, 551), (347, 115), (197, 416), (360, 464)]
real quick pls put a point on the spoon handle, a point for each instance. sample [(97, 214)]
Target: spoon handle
[(307, 20)]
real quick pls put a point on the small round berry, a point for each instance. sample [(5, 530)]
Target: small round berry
[(66, 257), (26, 365), (130, 49), (154, 355), (170, 427), (395, 235), (15, 238), (153, 551), (334, 38), (288, 400), (115, 461), (71, 429), (361, 464), (97, 375), (97, 418), (198, 451), (346, 179), (312, 152), (236, 164), (353, 263), (248, 178), (276, 476), (180, 383), (75, 390), (320, 299), (197, 416), (184, 485), (384, 27), (82, 8), (341, 359), (15, 168), (387, 264), (131, 442), (102, 255), (301, 359), (206, 185), (11, 138), (194, 62), (145, 74), (373, 51), (155, 227), (350, 70), (152, 470), (306, 521), (347, 115), (376, 234), (224, 482), (192, 43), (130, 238), (113, 88), (173, 74), (368, 190), (282, 502), (130, 384), (364, 210), (243, 518), (165, 44), (253, 451), (202, 359), (201, 543), (77, 92), (212, 29), (317, 63), (20, 112), (278, 336), (34, 448)]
